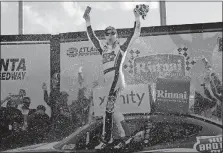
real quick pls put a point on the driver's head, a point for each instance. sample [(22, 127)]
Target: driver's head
[(110, 35)]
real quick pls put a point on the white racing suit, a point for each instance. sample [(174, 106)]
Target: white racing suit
[(113, 57)]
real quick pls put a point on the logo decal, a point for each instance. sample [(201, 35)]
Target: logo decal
[(209, 144)]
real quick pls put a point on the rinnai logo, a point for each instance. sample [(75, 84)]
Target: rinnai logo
[(159, 67), (165, 94), (177, 67), (149, 68)]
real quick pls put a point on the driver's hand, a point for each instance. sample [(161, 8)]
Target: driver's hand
[(136, 13), (87, 17)]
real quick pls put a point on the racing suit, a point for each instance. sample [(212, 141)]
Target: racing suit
[(112, 59)]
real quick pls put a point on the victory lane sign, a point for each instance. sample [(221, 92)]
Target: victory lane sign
[(148, 68)]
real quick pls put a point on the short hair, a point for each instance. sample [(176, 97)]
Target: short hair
[(110, 28), (26, 98), (41, 107), (64, 93)]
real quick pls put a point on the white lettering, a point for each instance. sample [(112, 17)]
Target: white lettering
[(218, 139), (160, 93), (201, 147), (165, 94), (164, 67), (220, 145), (208, 146), (215, 146)]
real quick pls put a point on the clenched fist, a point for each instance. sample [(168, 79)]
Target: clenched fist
[(87, 14)]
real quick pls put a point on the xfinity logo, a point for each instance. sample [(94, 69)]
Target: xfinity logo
[(135, 98)]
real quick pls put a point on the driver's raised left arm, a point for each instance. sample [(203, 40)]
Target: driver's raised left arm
[(134, 34)]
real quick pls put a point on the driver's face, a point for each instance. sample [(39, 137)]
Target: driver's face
[(110, 36)]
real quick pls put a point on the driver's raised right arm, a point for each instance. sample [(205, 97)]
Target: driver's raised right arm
[(93, 38)]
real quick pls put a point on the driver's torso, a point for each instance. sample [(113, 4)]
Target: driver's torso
[(109, 55), (111, 60)]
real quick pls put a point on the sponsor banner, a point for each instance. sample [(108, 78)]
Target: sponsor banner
[(192, 46), (82, 51), (74, 55), (13, 68), (148, 68), (209, 144), (172, 95), (133, 99), (23, 70)]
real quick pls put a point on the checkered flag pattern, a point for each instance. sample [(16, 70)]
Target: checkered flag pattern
[(128, 66), (189, 62)]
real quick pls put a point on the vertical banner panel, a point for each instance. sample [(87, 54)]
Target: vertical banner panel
[(25, 66), (74, 55)]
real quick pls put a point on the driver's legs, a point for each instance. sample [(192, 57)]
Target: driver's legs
[(118, 118), (124, 132), (123, 129)]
